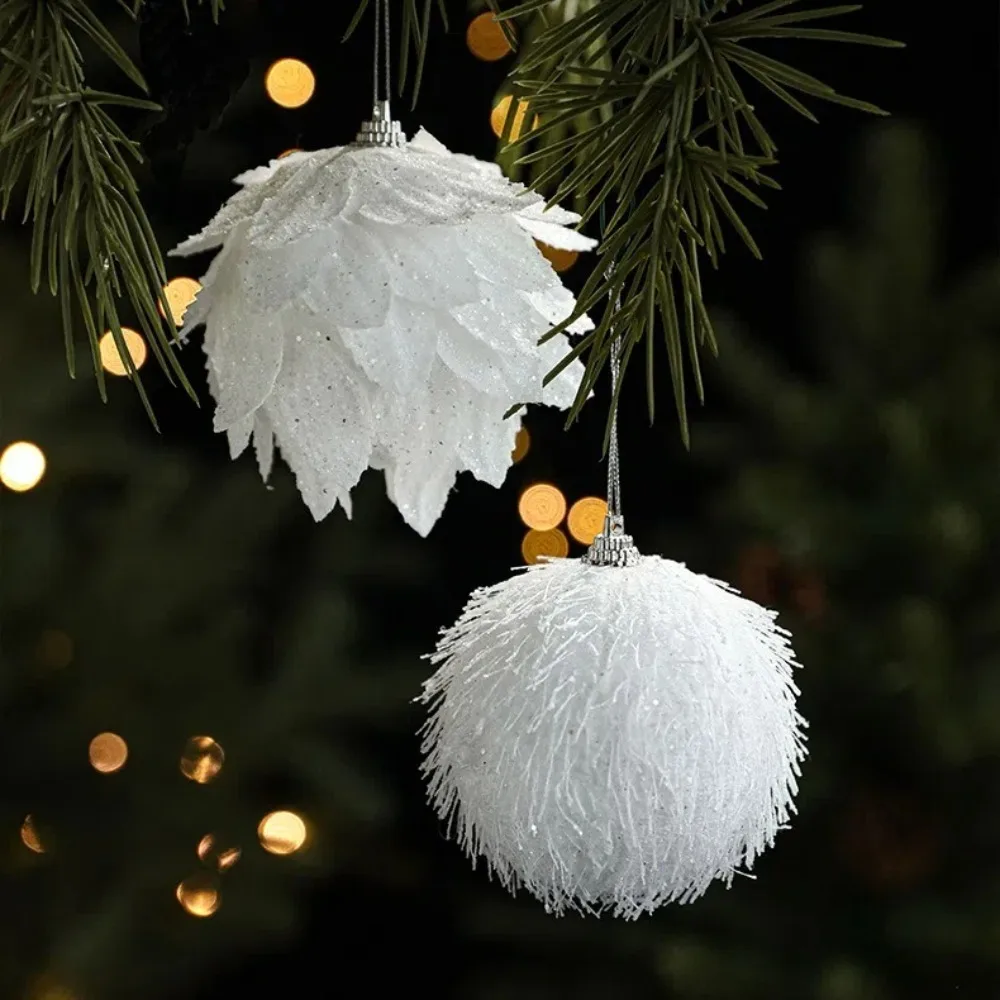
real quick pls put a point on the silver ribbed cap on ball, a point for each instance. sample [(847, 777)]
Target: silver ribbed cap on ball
[(612, 547), (381, 130)]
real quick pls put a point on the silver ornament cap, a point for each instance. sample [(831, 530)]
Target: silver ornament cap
[(381, 130), (612, 547)]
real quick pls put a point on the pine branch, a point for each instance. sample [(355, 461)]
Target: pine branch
[(92, 243), (517, 165), (673, 142)]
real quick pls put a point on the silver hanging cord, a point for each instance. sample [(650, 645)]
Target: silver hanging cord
[(381, 130), (612, 547), (614, 467)]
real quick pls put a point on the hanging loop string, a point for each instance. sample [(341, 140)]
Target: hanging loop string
[(375, 54), (382, 35), (614, 465), (612, 547), (381, 130)]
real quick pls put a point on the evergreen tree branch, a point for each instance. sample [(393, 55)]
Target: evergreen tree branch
[(672, 140), (92, 242), (529, 167)]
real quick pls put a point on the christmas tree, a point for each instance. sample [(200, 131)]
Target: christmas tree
[(210, 782)]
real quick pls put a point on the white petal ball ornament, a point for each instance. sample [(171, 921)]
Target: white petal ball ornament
[(613, 737), (380, 305)]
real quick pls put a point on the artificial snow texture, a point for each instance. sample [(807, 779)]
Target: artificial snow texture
[(382, 307), (613, 739)]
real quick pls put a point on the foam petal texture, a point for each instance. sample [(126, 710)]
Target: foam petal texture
[(376, 307)]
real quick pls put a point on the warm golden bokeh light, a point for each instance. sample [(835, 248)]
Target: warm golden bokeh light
[(537, 545), (108, 753), (202, 759), (586, 519), (48, 989), (542, 506), (561, 260), (290, 83), (180, 293), (498, 117), (29, 836), (522, 444), (111, 358), (199, 896), (228, 858), (54, 650), (22, 466), (486, 39), (282, 832), (209, 853)]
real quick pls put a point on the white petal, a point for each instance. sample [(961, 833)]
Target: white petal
[(243, 207), (555, 235), (487, 444), (426, 143), (349, 286), (239, 436), (322, 421), (474, 361), (315, 195), (426, 264), (398, 355), (420, 492), (502, 253), (244, 351), (263, 443)]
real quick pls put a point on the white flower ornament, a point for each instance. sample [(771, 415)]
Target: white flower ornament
[(376, 306)]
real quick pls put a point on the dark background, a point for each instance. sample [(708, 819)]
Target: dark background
[(888, 885)]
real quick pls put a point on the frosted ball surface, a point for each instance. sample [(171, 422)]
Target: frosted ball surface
[(613, 739)]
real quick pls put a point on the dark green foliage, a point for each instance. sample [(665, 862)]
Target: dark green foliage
[(868, 500), (682, 147), (92, 241), (129, 579)]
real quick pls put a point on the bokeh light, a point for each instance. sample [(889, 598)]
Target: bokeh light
[(561, 260), (49, 989), (180, 293), (108, 753), (486, 39), (282, 832), (290, 83), (542, 506), (22, 466), (111, 358), (202, 759), (586, 518), (29, 836), (222, 858), (199, 896), (498, 117), (538, 545), (522, 445)]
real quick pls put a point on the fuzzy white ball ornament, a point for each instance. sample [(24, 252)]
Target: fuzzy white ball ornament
[(613, 737), (380, 305)]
